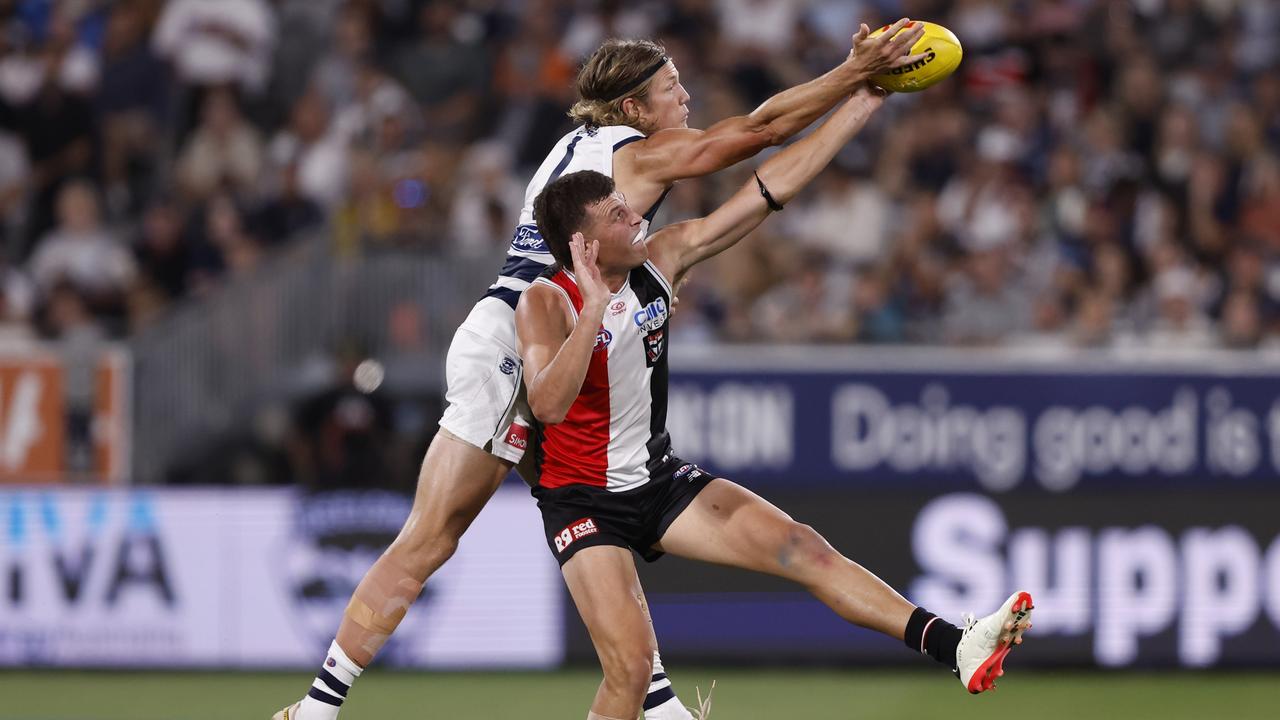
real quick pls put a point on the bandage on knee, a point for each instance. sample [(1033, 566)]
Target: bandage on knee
[(377, 606)]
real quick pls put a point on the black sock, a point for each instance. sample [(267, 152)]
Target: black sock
[(929, 634)]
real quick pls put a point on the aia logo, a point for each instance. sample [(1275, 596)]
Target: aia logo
[(518, 436), (575, 530), (603, 338), (618, 307)]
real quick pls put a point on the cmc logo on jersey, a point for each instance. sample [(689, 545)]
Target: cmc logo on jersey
[(603, 338), (528, 239), (575, 530), (652, 316)]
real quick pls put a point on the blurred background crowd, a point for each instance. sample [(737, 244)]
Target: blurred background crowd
[(1098, 174)]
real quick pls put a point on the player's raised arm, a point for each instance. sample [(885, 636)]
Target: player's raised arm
[(676, 153), (679, 247), (555, 345)]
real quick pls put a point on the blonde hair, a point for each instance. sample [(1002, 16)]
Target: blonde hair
[(617, 70)]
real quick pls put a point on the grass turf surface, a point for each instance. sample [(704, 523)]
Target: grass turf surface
[(739, 695)]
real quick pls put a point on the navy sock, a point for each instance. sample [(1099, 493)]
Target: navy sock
[(931, 635)]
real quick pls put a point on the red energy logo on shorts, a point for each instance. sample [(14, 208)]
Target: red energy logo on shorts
[(518, 436), (575, 530)]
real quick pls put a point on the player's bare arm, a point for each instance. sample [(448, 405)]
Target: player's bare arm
[(678, 247), (555, 349), (644, 169)]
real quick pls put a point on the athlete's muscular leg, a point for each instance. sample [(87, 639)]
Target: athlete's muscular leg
[(730, 525), (603, 583), (455, 482)]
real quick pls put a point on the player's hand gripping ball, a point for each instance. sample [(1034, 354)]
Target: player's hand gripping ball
[(942, 53)]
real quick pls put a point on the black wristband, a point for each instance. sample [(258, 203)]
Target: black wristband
[(764, 191)]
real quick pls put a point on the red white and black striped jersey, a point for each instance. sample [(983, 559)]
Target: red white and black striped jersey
[(617, 426)]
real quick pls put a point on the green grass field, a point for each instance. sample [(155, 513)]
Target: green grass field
[(739, 695)]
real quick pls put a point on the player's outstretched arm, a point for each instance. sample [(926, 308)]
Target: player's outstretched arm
[(679, 153), (555, 349), (679, 247)]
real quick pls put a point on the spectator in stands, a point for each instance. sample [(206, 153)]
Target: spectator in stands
[(313, 149), (214, 43), (487, 199), (307, 29), (1092, 326), (985, 305), (222, 247), (224, 151), (83, 254), (57, 129), (879, 316), (286, 212), (1242, 327), (813, 305), (534, 78), (846, 218), (161, 251), (14, 179), (445, 70), (132, 106), (336, 73), (1180, 323), (368, 214), (80, 342)]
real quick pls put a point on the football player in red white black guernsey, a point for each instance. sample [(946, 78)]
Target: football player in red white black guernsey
[(592, 336)]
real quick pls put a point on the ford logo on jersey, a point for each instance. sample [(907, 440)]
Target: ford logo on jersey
[(652, 316), (603, 338), (528, 239)]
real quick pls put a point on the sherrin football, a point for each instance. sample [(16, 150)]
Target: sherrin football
[(942, 53)]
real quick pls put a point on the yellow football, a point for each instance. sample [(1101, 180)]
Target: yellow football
[(942, 53)]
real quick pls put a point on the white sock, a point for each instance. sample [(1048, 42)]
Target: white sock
[(661, 703), (330, 687)]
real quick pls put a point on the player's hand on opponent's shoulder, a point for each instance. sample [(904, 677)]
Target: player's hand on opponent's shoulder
[(891, 49), (595, 293)]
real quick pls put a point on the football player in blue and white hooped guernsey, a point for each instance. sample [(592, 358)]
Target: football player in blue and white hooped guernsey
[(633, 112)]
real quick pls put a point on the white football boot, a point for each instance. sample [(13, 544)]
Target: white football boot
[(289, 713), (985, 642)]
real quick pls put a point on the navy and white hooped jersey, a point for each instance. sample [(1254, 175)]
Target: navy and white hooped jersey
[(616, 430), (586, 148)]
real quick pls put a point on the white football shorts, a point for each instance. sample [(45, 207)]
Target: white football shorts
[(486, 400)]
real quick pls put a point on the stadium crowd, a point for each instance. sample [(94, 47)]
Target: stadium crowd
[(1098, 174)]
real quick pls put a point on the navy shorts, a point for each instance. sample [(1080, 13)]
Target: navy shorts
[(582, 516)]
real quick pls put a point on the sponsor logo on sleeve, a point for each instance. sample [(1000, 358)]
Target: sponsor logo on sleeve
[(528, 239), (575, 530)]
